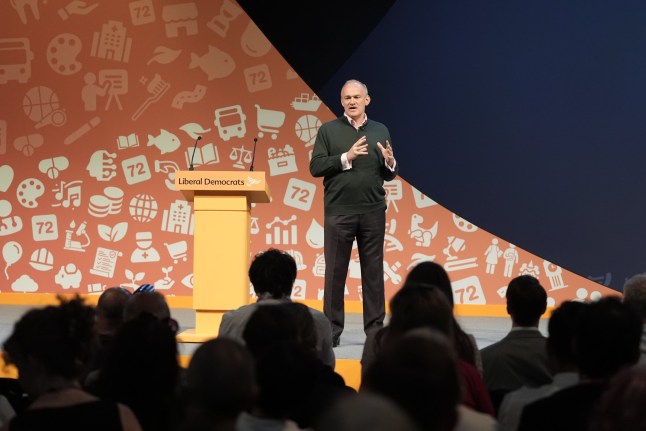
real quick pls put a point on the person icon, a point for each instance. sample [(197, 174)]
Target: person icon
[(91, 91), (493, 252), (511, 258), (145, 252)]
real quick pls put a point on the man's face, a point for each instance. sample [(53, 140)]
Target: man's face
[(354, 100)]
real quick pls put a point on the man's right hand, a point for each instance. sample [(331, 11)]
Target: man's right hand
[(359, 148)]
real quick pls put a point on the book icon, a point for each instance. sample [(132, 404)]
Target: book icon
[(204, 155), (129, 141)]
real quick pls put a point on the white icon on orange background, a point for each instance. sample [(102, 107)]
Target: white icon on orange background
[(306, 128), (76, 238), (112, 43), (11, 253), (53, 166), (391, 243), (157, 87), (318, 269), (6, 177), (282, 232), (41, 105), (62, 53), (129, 141), (194, 130), (492, 253), (44, 227), (257, 78), (109, 203), (142, 12), (299, 194), (314, 235), (230, 122), (228, 12), (28, 192), (8, 223), (166, 282), (269, 121), (394, 193), (136, 169), (281, 161), (192, 96), (166, 142), (24, 284), (81, 131), (68, 276), (215, 63), (3, 136), (306, 103), (180, 17), (554, 274), (68, 194), (112, 233), (143, 208), (102, 166), (75, 7), (145, 252), (42, 260), (15, 60), (105, 262), (241, 156), (253, 41), (421, 200), (511, 258), (21, 7), (422, 236), (177, 250), (178, 218), (164, 55), (27, 144), (168, 167), (111, 83), (468, 291), (463, 224)]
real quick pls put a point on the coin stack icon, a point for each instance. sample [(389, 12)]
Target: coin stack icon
[(109, 203)]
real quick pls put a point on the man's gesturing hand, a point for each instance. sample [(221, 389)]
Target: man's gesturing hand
[(359, 148), (387, 153)]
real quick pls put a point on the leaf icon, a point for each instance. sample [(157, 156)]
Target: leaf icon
[(119, 231), (164, 55), (140, 276), (129, 275), (104, 232)]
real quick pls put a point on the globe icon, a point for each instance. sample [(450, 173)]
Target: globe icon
[(143, 207)]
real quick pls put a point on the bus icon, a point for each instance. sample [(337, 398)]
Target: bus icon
[(15, 60), (230, 122)]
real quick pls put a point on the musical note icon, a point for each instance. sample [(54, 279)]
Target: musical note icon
[(68, 194)]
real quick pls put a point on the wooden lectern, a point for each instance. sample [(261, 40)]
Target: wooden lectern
[(221, 201)]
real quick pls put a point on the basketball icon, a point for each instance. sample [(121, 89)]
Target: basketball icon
[(42, 106), (306, 129)]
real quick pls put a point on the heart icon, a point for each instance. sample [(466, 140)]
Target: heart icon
[(6, 177)]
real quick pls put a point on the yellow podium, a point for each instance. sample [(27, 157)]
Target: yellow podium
[(221, 201)]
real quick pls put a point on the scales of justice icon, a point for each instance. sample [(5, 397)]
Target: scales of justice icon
[(240, 156)]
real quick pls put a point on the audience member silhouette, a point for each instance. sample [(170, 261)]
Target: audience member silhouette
[(366, 411), (622, 405), (606, 341), (51, 348), (142, 371), (109, 318), (272, 274), (151, 302), (560, 352), (419, 305), (435, 274), (294, 385), (635, 297), (520, 358), (220, 384), (419, 372)]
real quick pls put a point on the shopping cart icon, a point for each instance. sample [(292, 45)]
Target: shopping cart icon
[(269, 121), (177, 250)]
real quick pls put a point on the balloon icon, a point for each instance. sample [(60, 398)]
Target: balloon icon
[(11, 252)]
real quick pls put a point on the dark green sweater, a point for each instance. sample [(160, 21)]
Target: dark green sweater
[(358, 190)]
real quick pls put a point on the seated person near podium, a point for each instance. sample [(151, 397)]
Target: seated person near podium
[(272, 274)]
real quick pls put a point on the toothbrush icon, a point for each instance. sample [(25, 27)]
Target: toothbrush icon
[(157, 88)]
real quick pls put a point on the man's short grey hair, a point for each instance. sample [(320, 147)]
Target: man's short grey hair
[(635, 293), (356, 82)]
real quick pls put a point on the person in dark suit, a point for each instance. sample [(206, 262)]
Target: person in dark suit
[(606, 341), (520, 358), (354, 156)]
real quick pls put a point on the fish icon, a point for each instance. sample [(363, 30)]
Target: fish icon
[(215, 63), (165, 141)]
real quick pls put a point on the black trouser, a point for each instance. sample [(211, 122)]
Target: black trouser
[(340, 232)]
